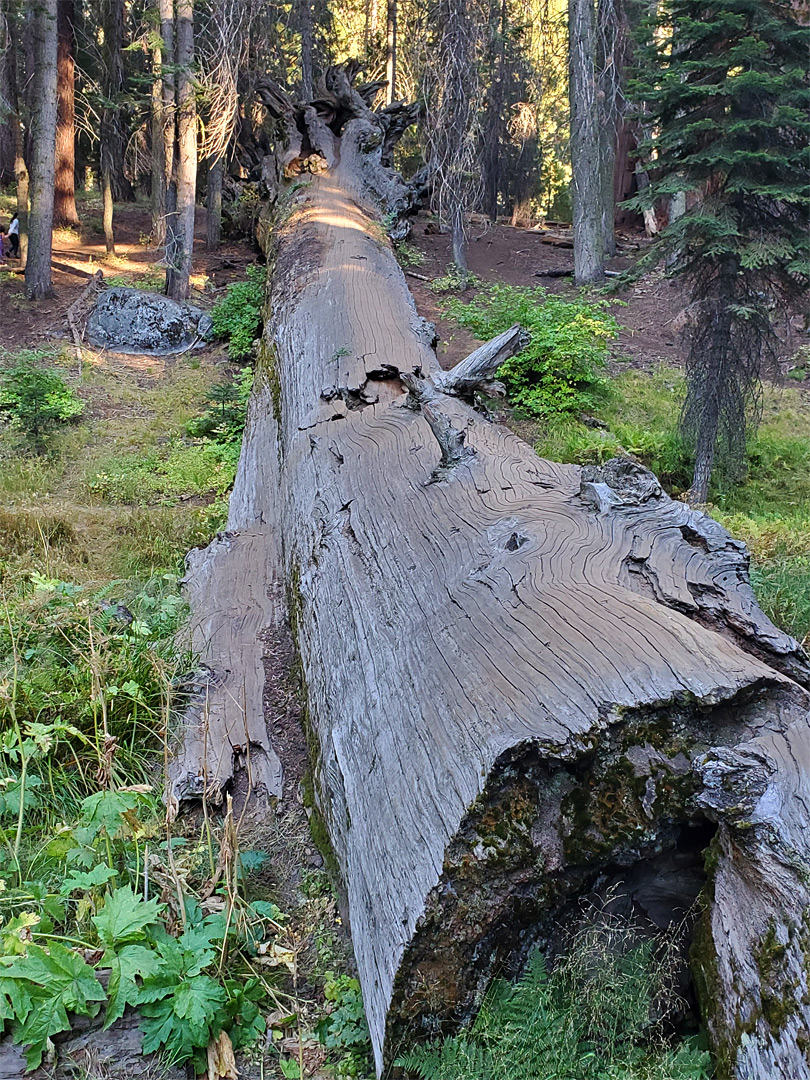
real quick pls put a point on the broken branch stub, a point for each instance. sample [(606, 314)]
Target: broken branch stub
[(477, 371)]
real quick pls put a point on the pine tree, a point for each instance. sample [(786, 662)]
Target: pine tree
[(729, 99)]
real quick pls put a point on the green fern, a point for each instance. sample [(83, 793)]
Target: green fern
[(589, 1020)]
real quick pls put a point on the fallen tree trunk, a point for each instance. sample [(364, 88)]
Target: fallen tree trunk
[(523, 680)]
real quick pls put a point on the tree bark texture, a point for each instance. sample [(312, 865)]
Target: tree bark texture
[(64, 209), (586, 172), (7, 102), (157, 132), (181, 240), (522, 678), (305, 23), (113, 124), (391, 52), (43, 138), (213, 203)]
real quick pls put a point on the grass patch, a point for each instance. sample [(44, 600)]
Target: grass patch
[(182, 471)]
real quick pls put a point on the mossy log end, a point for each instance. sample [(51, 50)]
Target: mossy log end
[(522, 678)]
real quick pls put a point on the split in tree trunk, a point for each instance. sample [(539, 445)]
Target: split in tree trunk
[(43, 138), (522, 678), (64, 209)]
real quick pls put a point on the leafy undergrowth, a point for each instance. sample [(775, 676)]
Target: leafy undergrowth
[(598, 1015), (562, 369), (105, 903)]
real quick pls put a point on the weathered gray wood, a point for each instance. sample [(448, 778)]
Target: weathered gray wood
[(236, 599), (519, 628), (477, 371)]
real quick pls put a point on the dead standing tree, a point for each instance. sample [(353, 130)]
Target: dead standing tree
[(522, 679)]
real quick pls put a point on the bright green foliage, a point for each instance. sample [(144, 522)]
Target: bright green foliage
[(72, 656), (590, 1020), (224, 420), (344, 1030), (174, 982), (35, 399), (561, 370), (40, 988), (238, 316)]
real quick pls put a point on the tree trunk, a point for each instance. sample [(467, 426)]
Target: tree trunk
[(493, 129), (586, 173), (213, 203), (305, 22), (178, 268), (7, 102), (20, 167), (43, 139), (391, 52), (114, 128), (64, 209), (107, 201), (166, 14), (157, 131), (522, 678)]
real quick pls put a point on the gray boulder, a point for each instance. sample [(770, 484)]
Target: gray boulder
[(133, 321)]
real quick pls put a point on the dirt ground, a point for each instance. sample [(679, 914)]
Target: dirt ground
[(77, 255), (519, 256)]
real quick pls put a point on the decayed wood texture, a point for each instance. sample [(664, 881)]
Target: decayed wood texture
[(236, 600), (466, 632)]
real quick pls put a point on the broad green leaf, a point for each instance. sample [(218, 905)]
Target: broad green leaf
[(106, 809), (91, 879), (47, 1018), (131, 963), (124, 917)]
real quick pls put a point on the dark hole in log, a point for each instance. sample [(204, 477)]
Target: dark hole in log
[(545, 842)]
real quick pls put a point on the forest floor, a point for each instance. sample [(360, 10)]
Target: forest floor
[(120, 497)]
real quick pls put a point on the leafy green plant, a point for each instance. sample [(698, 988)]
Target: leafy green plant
[(343, 1030), (453, 280), (592, 1018), (237, 317), (562, 369), (35, 399), (408, 255)]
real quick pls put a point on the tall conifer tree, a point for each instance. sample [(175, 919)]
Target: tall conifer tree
[(729, 99)]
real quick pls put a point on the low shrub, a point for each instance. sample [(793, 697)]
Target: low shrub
[(237, 317), (562, 368), (34, 398)]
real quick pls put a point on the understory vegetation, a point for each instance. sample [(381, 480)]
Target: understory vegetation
[(576, 404), (598, 1015)]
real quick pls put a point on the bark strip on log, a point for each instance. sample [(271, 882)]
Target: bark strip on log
[(236, 600)]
